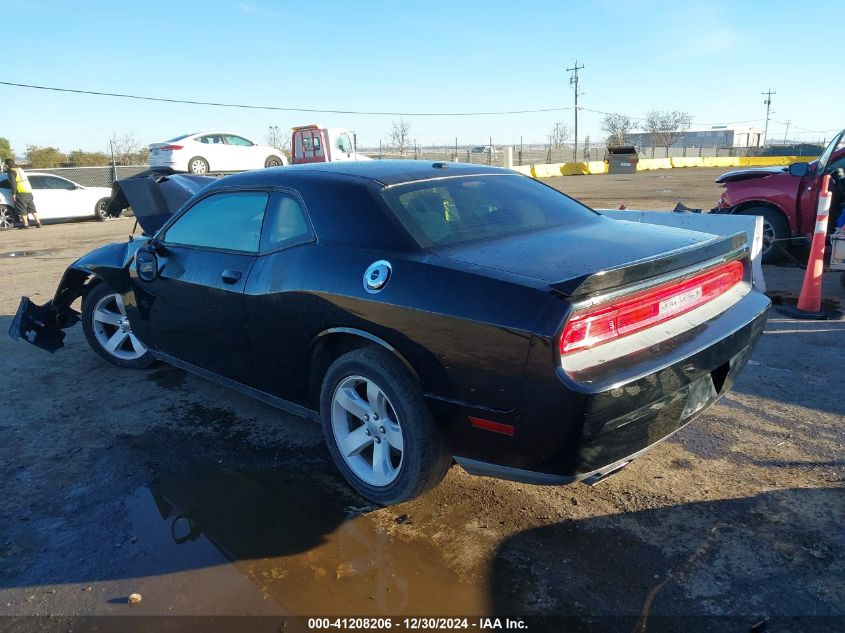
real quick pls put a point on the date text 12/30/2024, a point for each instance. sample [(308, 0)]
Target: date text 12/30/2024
[(417, 624)]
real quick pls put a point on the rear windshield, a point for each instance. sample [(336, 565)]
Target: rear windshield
[(178, 138), (470, 208)]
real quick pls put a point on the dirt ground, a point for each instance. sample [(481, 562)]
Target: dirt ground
[(207, 502), (659, 189)]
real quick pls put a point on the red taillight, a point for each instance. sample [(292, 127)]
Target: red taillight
[(170, 147), (723, 200), (604, 323)]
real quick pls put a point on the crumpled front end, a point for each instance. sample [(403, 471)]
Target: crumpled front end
[(43, 325)]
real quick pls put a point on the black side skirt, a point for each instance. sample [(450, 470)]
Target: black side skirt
[(273, 401)]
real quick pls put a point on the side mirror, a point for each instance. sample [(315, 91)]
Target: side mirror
[(146, 264), (799, 169)]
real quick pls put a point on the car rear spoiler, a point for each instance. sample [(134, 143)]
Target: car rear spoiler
[(730, 247), (154, 196)]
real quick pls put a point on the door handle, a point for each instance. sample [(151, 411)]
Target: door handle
[(231, 276)]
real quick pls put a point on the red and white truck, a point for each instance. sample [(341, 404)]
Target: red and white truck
[(317, 144)]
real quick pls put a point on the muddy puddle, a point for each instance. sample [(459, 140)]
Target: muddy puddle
[(39, 253), (290, 541)]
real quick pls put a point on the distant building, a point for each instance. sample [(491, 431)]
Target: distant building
[(716, 136)]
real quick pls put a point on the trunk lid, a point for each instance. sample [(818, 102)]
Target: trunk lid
[(154, 196), (595, 255)]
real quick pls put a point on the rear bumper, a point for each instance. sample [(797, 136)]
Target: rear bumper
[(164, 162), (577, 434)]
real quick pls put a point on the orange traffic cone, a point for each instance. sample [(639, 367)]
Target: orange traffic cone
[(810, 300)]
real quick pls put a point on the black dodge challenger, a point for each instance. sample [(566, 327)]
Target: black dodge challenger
[(423, 313)]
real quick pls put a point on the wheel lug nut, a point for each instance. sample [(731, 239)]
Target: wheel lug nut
[(381, 429), (366, 418), (375, 416), (378, 440), (366, 431)]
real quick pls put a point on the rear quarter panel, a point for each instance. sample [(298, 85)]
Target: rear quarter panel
[(465, 335)]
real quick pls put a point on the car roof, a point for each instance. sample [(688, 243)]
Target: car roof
[(385, 172), (216, 132)]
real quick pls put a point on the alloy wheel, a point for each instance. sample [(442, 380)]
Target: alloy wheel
[(7, 218), (769, 237), (112, 329), (367, 430), (101, 209), (198, 167)]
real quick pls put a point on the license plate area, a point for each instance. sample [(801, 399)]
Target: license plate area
[(679, 302)]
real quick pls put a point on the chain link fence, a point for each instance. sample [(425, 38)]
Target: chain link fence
[(93, 176), (537, 154)]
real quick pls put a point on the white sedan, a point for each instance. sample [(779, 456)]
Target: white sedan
[(213, 152), (56, 198)]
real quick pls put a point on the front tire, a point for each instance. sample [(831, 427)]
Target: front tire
[(273, 161), (8, 217), (100, 212), (378, 428), (108, 330), (775, 233), (198, 165)]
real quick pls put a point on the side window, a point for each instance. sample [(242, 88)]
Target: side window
[(316, 141), (286, 223), (211, 139), (839, 162), (39, 182), (230, 221), (231, 139), (344, 144), (58, 183), (4, 183)]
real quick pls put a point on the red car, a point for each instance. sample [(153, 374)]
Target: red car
[(786, 197)]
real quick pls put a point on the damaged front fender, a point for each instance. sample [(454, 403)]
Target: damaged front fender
[(43, 325)]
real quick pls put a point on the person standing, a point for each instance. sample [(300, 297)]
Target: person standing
[(22, 193)]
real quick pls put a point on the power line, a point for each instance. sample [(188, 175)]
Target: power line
[(803, 129), (277, 108)]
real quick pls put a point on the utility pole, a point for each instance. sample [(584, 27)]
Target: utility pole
[(786, 134), (768, 103), (573, 81)]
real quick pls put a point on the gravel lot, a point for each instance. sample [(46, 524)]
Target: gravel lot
[(206, 502)]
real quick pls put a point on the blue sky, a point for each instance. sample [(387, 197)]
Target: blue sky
[(711, 59)]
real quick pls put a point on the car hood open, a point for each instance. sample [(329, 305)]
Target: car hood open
[(748, 174), (154, 196)]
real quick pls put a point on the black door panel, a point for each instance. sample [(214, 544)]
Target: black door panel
[(194, 310)]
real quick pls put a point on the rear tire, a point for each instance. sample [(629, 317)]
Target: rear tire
[(378, 428), (198, 165), (100, 212), (108, 331), (775, 233)]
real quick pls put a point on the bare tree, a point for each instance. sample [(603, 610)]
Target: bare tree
[(398, 140), (560, 134), (617, 126), (276, 138), (666, 127), (126, 150)]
